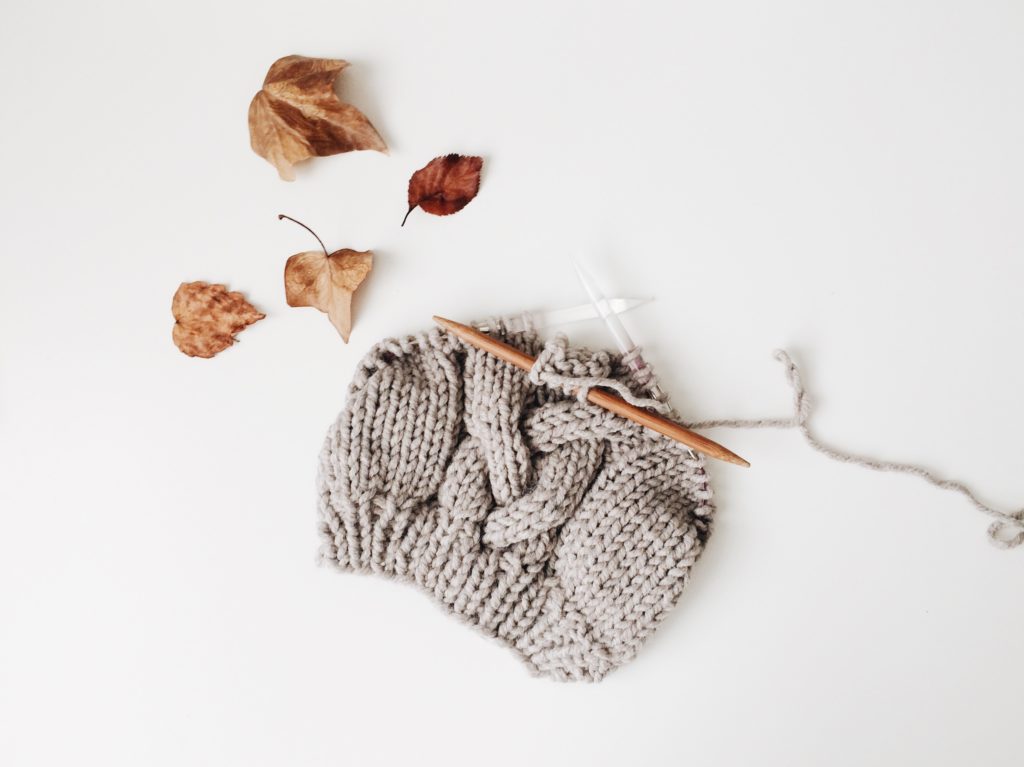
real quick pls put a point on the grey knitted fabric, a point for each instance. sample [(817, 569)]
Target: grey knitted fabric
[(561, 529)]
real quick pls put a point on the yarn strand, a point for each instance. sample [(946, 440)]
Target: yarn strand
[(1007, 529), (576, 382)]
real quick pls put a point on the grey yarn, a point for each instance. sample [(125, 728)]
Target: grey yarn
[(561, 529), (557, 527), (556, 366), (1007, 531)]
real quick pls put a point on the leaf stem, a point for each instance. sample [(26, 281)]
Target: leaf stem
[(294, 221)]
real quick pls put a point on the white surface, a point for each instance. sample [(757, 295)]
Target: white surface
[(843, 180)]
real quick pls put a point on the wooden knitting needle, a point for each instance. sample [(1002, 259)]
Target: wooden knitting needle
[(604, 399)]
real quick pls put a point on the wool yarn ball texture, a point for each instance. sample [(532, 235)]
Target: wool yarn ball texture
[(561, 529)]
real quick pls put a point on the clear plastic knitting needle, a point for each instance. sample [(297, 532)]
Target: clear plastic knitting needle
[(622, 340), (545, 319)]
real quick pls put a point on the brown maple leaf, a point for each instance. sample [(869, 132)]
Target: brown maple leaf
[(325, 280), (207, 317), (297, 115), (444, 185)]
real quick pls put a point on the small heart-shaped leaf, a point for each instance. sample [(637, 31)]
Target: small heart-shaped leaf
[(326, 281), (207, 317)]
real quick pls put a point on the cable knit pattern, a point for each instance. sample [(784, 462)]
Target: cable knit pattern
[(559, 528)]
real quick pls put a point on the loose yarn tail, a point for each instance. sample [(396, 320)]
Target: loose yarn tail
[(576, 376), (1006, 532)]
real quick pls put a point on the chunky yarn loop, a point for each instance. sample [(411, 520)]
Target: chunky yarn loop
[(557, 527)]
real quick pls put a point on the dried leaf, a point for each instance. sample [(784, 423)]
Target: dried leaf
[(445, 185), (326, 281), (297, 115), (207, 317)]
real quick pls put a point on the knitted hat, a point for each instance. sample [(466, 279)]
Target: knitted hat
[(563, 530)]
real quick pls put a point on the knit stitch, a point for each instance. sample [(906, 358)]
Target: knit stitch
[(559, 528)]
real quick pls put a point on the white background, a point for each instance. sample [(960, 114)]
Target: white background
[(844, 180)]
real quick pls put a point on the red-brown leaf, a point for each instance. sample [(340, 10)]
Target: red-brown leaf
[(445, 185)]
